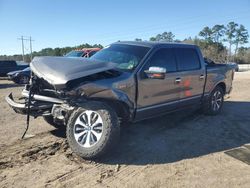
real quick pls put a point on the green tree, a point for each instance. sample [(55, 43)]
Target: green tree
[(243, 55), (241, 37), (207, 34), (152, 39), (49, 52), (211, 50), (139, 40), (57, 52), (218, 31), (231, 31), (164, 37)]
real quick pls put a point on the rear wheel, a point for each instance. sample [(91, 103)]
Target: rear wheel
[(215, 102), (93, 130)]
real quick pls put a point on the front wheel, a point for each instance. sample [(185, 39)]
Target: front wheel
[(23, 79), (92, 130), (215, 102)]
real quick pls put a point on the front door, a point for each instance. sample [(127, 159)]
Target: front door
[(157, 96)]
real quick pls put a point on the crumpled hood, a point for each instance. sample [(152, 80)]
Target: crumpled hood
[(59, 70)]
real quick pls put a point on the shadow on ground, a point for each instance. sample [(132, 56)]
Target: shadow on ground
[(7, 85), (179, 136)]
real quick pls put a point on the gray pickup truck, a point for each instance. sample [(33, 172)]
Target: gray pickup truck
[(124, 82)]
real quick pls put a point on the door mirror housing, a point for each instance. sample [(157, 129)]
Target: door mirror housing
[(156, 72)]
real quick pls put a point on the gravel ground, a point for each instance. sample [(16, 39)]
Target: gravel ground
[(176, 150)]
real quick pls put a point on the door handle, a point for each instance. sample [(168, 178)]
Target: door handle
[(177, 80), (202, 77)]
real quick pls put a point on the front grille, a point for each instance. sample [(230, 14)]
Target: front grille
[(42, 87)]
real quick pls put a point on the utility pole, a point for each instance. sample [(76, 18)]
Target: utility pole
[(30, 41), (22, 45), (30, 49)]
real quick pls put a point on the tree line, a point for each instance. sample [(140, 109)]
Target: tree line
[(221, 43), (48, 52)]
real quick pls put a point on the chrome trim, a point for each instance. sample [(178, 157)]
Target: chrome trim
[(25, 93), (202, 77), (157, 105), (177, 80), (12, 103), (189, 98), (166, 104), (22, 106)]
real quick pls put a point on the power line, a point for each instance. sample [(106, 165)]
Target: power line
[(23, 38)]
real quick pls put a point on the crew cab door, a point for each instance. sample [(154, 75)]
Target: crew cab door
[(192, 76), (158, 93)]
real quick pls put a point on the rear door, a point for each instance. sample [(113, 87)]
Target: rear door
[(192, 76), (156, 96)]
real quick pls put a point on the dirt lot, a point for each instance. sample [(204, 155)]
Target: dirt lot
[(172, 151)]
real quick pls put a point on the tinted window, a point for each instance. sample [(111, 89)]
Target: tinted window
[(7, 63), (92, 53), (163, 58), (75, 54), (187, 59), (127, 57)]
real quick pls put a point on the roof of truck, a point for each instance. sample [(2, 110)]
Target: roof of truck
[(152, 44)]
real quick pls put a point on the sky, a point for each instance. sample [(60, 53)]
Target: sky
[(60, 23)]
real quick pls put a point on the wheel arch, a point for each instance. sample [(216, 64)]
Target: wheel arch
[(219, 84), (222, 85), (121, 108)]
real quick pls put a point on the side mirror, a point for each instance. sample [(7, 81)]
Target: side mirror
[(156, 72)]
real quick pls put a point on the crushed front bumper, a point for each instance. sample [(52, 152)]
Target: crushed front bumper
[(36, 107)]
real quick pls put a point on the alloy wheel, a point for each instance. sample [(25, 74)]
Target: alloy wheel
[(88, 128), (217, 99)]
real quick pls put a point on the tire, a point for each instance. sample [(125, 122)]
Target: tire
[(50, 120), (98, 136), (215, 101), (23, 79)]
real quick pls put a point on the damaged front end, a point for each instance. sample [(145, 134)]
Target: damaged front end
[(51, 91), (40, 99)]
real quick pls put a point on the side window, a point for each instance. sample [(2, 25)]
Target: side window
[(92, 53), (12, 63), (187, 59), (4, 64), (163, 58)]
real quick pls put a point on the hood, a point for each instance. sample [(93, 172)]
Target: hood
[(59, 70), (14, 72)]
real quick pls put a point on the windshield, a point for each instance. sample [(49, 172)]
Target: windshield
[(21, 63), (126, 56), (75, 54), (26, 69)]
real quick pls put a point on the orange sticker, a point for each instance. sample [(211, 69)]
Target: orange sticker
[(188, 93), (186, 85)]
